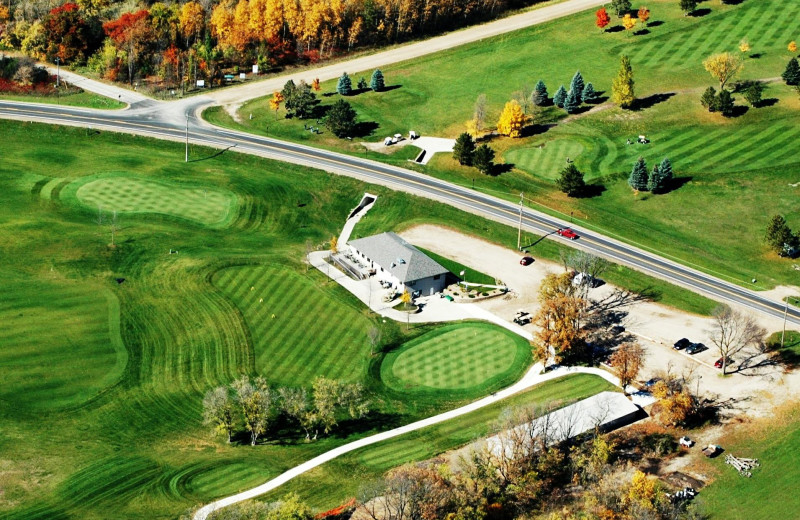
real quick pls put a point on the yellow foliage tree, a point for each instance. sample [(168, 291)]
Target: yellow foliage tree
[(405, 297), (628, 22), (315, 85), (191, 20), (792, 47), (221, 23), (334, 244), (643, 493), (275, 102), (512, 120), (674, 406), (744, 46), (723, 66)]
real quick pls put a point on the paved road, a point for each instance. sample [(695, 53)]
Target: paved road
[(145, 121), (533, 377)]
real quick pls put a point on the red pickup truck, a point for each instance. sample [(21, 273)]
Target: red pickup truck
[(567, 233)]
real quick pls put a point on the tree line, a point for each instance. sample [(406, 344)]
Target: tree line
[(251, 405), (197, 39)]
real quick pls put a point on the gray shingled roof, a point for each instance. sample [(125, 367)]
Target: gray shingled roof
[(404, 261)]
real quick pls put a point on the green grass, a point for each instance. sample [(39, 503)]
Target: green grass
[(462, 359), (127, 194), (334, 482), (470, 274), (79, 99), (299, 330)]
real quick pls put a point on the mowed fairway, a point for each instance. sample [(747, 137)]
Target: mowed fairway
[(466, 358), (298, 330), (210, 207), (59, 343)]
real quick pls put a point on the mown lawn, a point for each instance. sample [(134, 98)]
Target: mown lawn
[(79, 99)]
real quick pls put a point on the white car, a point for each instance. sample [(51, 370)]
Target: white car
[(686, 441)]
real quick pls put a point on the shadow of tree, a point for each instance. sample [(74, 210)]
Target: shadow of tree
[(697, 13), (365, 128), (651, 101), (655, 23), (590, 191)]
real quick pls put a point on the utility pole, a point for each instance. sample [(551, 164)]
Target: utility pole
[(58, 71), (519, 228), (187, 139), (785, 311)]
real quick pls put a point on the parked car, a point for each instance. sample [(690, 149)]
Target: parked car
[(718, 363), (567, 233), (651, 382), (694, 348), (526, 260), (681, 344), (686, 441)]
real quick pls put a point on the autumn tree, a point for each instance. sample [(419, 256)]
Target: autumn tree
[(560, 97), (329, 396), (275, 102), (643, 14), (675, 403), (638, 177), (377, 82), (344, 86), (255, 404), (571, 181), (688, 6), (334, 244), (601, 18), (628, 22), (792, 47), (315, 85), (558, 318), (734, 332), (791, 76), (191, 21), (744, 46), (627, 361), (723, 66), (218, 411), (622, 88), (71, 36), (476, 125), (644, 498), (341, 119), (464, 149), (621, 7), (512, 120), (483, 159), (133, 34), (539, 96), (778, 233)]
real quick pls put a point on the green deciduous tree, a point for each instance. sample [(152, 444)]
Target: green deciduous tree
[(344, 86), (341, 119), (621, 7), (791, 76), (483, 159), (539, 96), (638, 177), (753, 93), (377, 82), (218, 411), (299, 100), (255, 404), (778, 233), (590, 95), (464, 149), (560, 97), (688, 6), (571, 181), (622, 88)]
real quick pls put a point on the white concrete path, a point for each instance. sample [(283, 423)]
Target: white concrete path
[(532, 378), (433, 145), (350, 224), (111, 91)]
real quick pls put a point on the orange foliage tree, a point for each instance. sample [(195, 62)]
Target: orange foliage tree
[(275, 102), (643, 14), (602, 18)]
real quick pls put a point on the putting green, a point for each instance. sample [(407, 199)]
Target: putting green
[(211, 207), (465, 357), (548, 159)]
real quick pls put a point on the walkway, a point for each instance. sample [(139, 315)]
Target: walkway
[(110, 91), (532, 378)]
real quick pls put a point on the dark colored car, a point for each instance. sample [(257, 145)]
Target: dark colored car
[(718, 364), (694, 348), (681, 344), (567, 233), (526, 260)]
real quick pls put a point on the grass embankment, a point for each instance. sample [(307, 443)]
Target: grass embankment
[(78, 99), (461, 360), (470, 275), (333, 483), (725, 168)]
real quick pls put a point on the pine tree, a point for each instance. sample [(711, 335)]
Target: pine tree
[(709, 99), (539, 97), (792, 73), (572, 103), (571, 181), (590, 94), (778, 233), (483, 159), (725, 103), (362, 84), (665, 169), (377, 83), (638, 177), (344, 86), (577, 85), (654, 179), (560, 97), (687, 6), (622, 92), (464, 149), (341, 119)]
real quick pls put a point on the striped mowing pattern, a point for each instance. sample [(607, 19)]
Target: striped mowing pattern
[(767, 24), (55, 348), (312, 334), (547, 160), (459, 358), (205, 206)]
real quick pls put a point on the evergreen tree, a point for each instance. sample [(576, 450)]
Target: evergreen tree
[(341, 119), (778, 233), (577, 85), (709, 99), (540, 97), (621, 6), (483, 159), (792, 73), (464, 149), (590, 94), (725, 103), (638, 177), (377, 82), (362, 84), (654, 179), (572, 103), (571, 181), (688, 6), (622, 92), (344, 86), (665, 169), (753, 93), (560, 97)]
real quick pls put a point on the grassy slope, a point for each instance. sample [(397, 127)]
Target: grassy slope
[(81, 99), (468, 360), (471, 275), (332, 483), (727, 167)]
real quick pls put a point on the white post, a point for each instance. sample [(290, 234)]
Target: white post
[(58, 71), (785, 311), (187, 139)]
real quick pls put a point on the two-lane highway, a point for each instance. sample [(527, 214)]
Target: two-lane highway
[(145, 120)]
